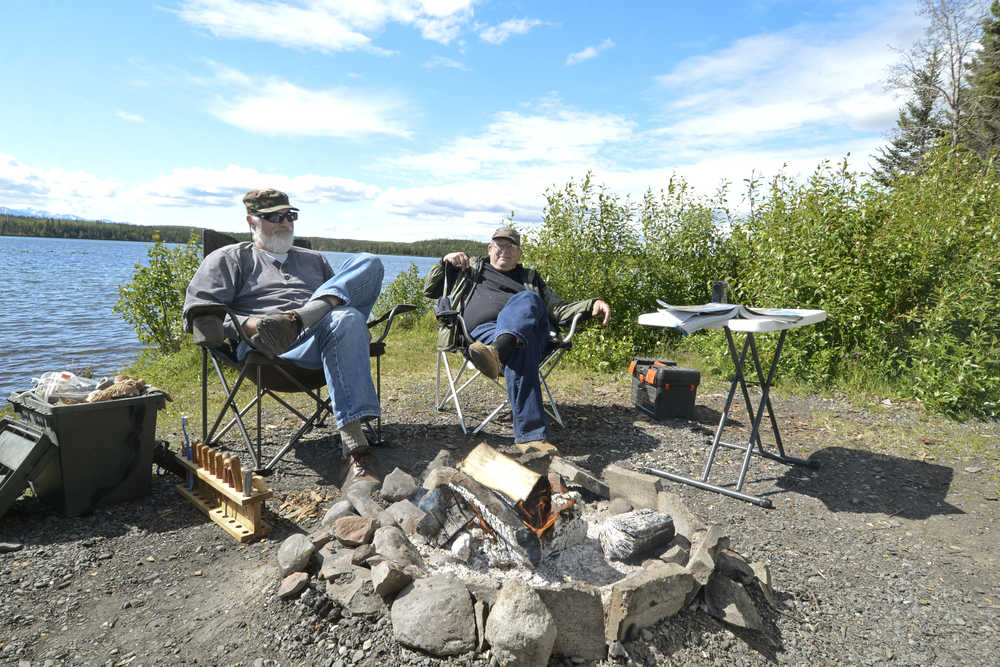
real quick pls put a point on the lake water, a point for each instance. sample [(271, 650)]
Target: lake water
[(56, 300)]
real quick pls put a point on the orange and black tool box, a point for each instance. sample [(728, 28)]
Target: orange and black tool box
[(663, 389)]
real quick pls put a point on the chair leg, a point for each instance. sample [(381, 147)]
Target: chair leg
[(453, 395)]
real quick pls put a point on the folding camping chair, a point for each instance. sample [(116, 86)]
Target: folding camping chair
[(447, 316), (271, 376)]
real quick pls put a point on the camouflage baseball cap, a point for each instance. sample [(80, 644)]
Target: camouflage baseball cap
[(508, 233), (267, 200)]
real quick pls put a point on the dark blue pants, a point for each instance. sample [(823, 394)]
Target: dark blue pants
[(525, 317)]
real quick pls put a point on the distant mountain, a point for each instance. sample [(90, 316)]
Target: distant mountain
[(38, 213)]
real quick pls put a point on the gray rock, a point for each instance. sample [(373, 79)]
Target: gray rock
[(579, 616), (352, 588), (677, 551), (340, 508), (435, 615), (705, 544), (576, 476), (362, 501), (639, 489), (685, 522), (439, 476), (403, 511), (320, 538), (443, 458), (727, 600), (647, 597), (520, 628), (361, 554), (294, 554), (333, 558), (398, 485), (734, 566), (392, 545), (763, 574), (292, 585), (618, 506), (388, 579), (8, 547)]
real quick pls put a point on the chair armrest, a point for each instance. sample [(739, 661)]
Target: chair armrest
[(398, 309), (573, 322), (207, 330)]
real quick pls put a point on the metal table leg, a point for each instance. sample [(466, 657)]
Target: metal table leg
[(754, 443)]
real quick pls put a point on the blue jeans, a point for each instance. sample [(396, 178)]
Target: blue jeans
[(338, 343), (526, 317)]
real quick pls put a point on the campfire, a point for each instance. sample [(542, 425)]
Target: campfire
[(477, 540)]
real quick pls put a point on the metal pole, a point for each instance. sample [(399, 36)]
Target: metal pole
[(762, 502)]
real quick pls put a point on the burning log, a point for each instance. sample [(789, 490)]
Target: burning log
[(500, 519), (500, 473), (633, 533)]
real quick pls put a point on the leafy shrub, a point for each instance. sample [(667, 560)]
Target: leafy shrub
[(153, 302), (407, 287), (593, 243)]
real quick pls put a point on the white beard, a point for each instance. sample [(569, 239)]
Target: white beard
[(277, 242)]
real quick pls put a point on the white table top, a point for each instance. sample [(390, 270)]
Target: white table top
[(750, 324)]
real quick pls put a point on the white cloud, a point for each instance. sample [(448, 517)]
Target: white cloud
[(328, 26), (806, 79), (589, 52), (498, 34), (196, 187), (276, 107), (556, 135), (53, 189), (441, 61), (130, 117)]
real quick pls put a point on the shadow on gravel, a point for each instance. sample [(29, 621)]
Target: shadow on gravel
[(34, 522), (850, 480), (603, 434)]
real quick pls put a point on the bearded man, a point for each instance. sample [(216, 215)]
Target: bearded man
[(290, 303)]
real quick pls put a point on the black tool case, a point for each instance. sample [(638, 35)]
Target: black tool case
[(662, 389)]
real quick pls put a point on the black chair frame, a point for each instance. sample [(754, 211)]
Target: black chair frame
[(273, 375), (447, 316)]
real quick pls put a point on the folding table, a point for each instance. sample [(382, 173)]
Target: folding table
[(751, 321)]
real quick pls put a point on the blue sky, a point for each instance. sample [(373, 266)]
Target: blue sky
[(410, 119)]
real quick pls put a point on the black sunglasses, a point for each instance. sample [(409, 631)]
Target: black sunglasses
[(275, 218)]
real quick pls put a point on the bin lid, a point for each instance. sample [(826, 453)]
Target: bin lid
[(24, 451)]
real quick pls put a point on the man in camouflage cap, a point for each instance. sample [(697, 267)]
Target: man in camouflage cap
[(290, 303), (509, 311)]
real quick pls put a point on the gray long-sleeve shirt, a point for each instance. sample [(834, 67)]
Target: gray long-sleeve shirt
[(247, 280)]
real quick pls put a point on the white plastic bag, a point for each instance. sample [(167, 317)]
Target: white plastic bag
[(64, 386)]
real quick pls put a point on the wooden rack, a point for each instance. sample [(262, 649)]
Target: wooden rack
[(219, 491)]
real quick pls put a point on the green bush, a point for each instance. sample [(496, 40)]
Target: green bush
[(908, 275), (593, 243), (407, 287), (153, 302)]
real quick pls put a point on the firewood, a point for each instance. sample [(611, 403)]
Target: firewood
[(627, 535), (500, 473)]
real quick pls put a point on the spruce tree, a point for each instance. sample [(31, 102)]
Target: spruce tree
[(983, 134), (918, 127)]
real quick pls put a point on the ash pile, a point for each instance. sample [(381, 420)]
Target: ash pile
[(524, 558)]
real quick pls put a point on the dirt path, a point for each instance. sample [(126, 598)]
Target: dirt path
[(886, 552)]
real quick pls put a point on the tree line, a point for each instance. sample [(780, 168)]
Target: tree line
[(15, 225), (951, 78)]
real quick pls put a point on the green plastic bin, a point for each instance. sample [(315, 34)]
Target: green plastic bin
[(105, 449)]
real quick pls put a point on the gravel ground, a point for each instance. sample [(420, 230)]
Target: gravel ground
[(875, 558)]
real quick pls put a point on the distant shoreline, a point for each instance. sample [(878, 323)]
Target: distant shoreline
[(34, 227)]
